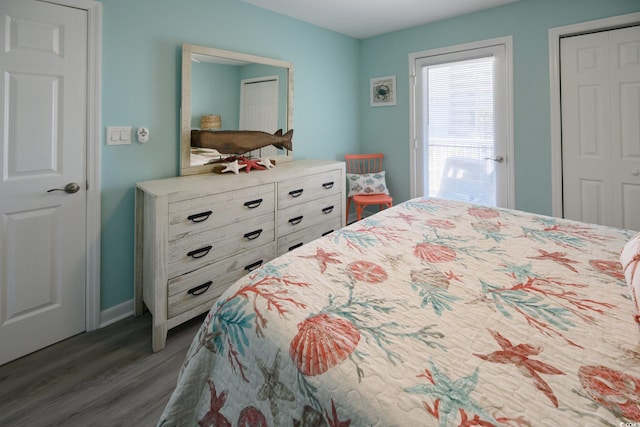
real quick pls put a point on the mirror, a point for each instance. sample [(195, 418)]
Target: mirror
[(214, 83)]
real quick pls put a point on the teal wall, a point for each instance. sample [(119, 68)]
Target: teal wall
[(386, 129), (141, 87), (215, 90), (141, 65)]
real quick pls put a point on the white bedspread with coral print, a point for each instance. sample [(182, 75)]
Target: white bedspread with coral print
[(430, 313)]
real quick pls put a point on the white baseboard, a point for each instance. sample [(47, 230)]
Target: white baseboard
[(116, 313)]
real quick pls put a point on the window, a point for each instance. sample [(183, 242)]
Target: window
[(459, 127)]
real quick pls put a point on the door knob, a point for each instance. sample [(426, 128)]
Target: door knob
[(498, 159), (635, 172), (70, 188)]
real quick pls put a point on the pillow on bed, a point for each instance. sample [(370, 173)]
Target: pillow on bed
[(367, 183), (630, 260)]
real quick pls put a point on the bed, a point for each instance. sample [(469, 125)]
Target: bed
[(432, 312)]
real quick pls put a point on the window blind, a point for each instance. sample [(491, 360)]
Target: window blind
[(460, 128)]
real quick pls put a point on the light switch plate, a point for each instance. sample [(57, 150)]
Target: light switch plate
[(118, 135)]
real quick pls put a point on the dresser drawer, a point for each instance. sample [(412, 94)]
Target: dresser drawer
[(206, 284), (300, 190), (309, 214), (298, 238), (196, 215), (195, 251)]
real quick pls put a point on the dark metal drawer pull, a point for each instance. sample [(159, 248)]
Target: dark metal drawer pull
[(297, 245), (253, 235), (199, 253), (327, 210), (296, 193), (199, 290), (253, 266), (199, 217), (253, 203), (327, 232), (297, 220), (327, 185)]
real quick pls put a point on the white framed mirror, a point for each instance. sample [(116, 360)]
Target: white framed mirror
[(219, 83)]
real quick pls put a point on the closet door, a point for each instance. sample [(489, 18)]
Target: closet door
[(600, 90), (259, 109)]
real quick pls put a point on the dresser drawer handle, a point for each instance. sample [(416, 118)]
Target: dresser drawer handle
[(199, 217), (327, 185), (327, 210), (199, 253), (297, 245), (297, 220), (296, 193), (253, 266), (253, 203), (327, 232), (253, 235), (199, 290)]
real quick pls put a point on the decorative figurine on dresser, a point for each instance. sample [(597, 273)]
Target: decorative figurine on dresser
[(198, 233)]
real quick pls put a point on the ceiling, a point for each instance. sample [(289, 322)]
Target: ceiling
[(367, 18)]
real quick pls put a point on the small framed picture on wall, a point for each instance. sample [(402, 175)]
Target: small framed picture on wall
[(383, 91)]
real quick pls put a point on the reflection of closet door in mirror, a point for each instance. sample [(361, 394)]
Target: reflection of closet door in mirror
[(259, 109)]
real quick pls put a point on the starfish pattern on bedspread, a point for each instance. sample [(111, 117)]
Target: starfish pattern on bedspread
[(323, 259), (558, 257), (273, 389), (451, 396), (519, 355)]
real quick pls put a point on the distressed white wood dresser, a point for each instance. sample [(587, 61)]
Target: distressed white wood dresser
[(195, 235)]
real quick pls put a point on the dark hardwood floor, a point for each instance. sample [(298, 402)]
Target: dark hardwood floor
[(107, 377)]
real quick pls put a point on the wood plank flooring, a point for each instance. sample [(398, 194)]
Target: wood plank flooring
[(108, 377)]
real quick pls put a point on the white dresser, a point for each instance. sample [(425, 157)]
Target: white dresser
[(195, 235)]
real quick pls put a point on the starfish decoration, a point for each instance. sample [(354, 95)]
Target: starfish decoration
[(519, 356), (310, 417), (406, 217), (214, 417), (251, 163), (559, 257), (232, 167), (323, 258), (272, 389), (451, 396), (453, 276), (334, 421), (266, 162)]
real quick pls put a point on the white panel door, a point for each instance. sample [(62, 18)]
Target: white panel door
[(624, 52), (43, 63), (600, 90), (259, 109)]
